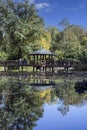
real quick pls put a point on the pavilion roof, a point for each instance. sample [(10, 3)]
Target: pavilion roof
[(42, 52)]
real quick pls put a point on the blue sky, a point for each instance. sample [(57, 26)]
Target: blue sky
[(53, 11)]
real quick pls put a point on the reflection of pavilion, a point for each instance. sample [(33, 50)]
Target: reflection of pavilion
[(42, 80), (42, 59), (37, 79)]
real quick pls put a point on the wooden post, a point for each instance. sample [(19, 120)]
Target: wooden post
[(34, 59), (40, 59), (22, 67), (52, 69), (5, 65), (33, 68)]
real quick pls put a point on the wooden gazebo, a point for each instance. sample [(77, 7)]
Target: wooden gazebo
[(42, 59)]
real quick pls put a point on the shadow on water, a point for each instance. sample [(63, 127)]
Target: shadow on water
[(22, 98)]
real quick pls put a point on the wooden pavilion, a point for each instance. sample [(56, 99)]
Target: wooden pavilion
[(42, 59)]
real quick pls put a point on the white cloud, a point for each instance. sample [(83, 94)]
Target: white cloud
[(42, 5)]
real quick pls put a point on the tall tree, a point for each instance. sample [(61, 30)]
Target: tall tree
[(70, 44), (21, 27), (64, 23), (54, 36), (45, 40)]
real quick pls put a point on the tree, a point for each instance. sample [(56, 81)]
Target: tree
[(83, 54), (54, 34), (70, 44), (45, 40), (81, 34), (64, 23), (21, 27)]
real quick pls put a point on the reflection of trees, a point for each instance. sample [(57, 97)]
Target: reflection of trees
[(48, 95), (24, 105), (22, 109), (67, 96), (63, 109)]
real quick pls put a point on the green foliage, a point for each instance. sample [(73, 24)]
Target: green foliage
[(3, 55), (70, 44), (24, 104), (20, 27), (54, 32), (59, 54), (22, 31)]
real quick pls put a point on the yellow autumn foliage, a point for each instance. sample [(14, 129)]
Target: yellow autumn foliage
[(46, 94), (45, 41)]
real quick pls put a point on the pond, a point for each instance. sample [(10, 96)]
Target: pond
[(42, 102)]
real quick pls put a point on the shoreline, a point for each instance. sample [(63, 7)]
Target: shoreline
[(15, 73)]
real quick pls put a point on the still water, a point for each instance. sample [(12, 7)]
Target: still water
[(41, 102)]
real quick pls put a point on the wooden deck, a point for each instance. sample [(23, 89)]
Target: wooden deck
[(41, 65)]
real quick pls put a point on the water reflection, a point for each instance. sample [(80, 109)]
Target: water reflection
[(22, 99), (2, 104), (22, 108)]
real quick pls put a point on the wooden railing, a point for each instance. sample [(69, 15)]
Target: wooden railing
[(60, 63)]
